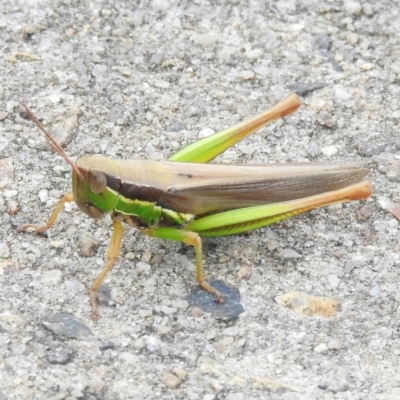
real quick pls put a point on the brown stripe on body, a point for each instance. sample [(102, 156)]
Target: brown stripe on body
[(134, 192)]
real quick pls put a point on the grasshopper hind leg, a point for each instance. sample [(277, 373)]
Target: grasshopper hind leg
[(193, 239)]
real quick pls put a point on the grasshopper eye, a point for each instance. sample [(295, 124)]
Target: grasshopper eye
[(97, 180)]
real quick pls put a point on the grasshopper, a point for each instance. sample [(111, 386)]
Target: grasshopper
[(185, 199)]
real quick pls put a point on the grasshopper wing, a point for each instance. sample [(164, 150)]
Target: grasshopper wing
[(200, 189)]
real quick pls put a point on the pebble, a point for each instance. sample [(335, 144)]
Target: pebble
[(107, 346), (6, 171), (333, 281), (235, 396), (163, 330), (388, 205), (349, 266), (161, 84), (54, 98), (59, 356), (180, 373), (272, 245), (352, 38), (160, 5), (18, 349), (223, 343), (39, 349), (365, 212), (375, 291), (168, 310), (245, 272), (342, 94), (289, 253), (206, 132), (329, 151), (51, 278), (10, 105), (303, 88), (57, 244), (247, 150), (121, 31), (196, 312), (246, 75), (207, 39), (99, 70), (150, 289), (145, 313), (321, 348), (68, 325), (231, 331), (34, 250), (4, 250), (88, 245), (96, 384), (128, 358), (142, 267), (308, 305), (130, 256), (74, 286), (180, 304), (367, 9), (171, 381), (335, 344), (254, 54), (80, 67), (9, 194), (367, 66), (175, 127), (352, 7), (12, 207)]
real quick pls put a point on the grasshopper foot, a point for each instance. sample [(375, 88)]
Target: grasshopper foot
[(95, 315), (39, 230), (210, 289)]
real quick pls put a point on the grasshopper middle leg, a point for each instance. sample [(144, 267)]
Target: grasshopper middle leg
[(193, 239)]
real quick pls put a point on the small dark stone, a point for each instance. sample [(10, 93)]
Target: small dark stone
[(323, 386), (107, 346), (303, 88), (369, 149), (59, 356), (175, 127), (68, 325), (104, 296), (227, 311)]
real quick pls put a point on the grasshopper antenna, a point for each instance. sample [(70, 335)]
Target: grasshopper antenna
[(54, 145)]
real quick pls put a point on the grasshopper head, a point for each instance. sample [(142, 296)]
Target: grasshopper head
[(91, 193)]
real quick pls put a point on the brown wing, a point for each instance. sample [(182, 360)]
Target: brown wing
[(208, 188)]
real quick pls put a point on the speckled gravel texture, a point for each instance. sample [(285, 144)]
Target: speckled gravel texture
[(136, 80)]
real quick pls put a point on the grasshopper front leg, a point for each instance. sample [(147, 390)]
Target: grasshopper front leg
[(193, 239), (111, 258), (67, 198)]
